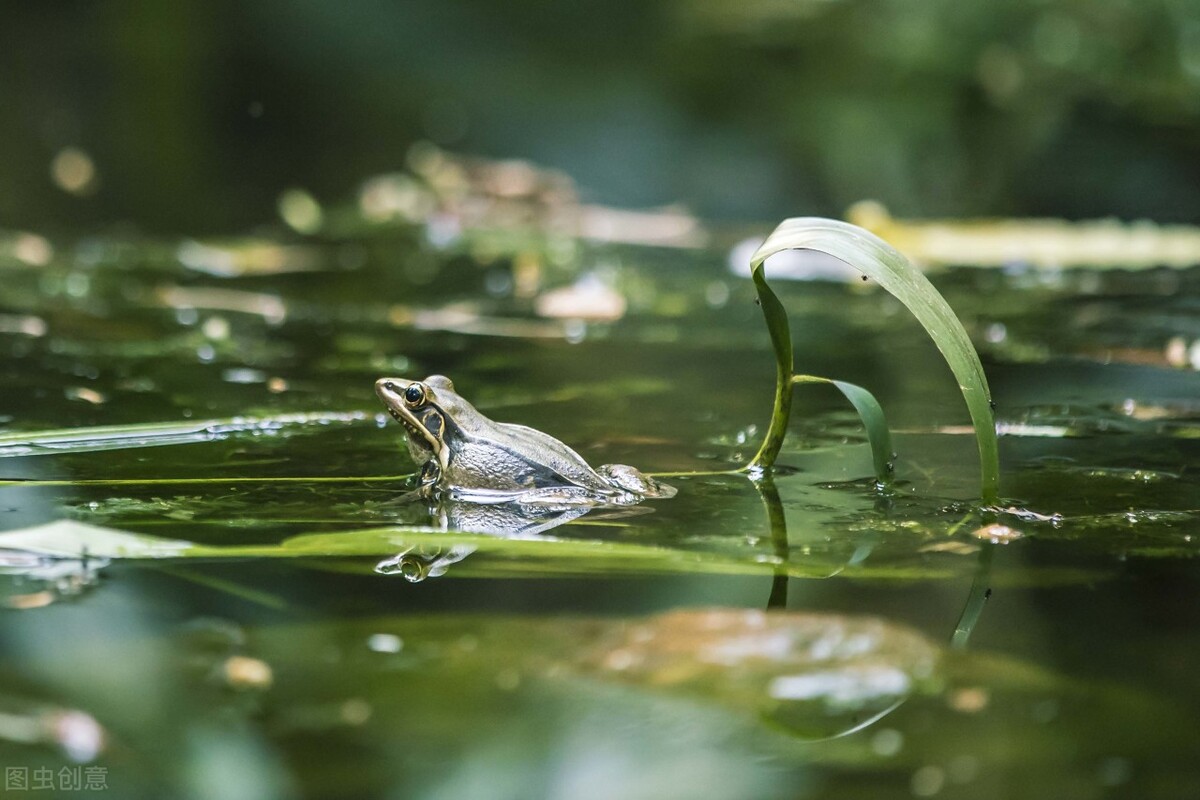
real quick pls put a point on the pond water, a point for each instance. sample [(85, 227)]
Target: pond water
[(237, 601)]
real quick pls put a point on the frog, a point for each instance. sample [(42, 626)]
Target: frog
[(465, 455)]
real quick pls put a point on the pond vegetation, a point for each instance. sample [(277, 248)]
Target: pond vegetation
[(211, 566)]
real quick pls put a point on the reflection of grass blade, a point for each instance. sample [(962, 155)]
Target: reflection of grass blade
[(876, 259), (980, 591), (871, 414), (225, 586)]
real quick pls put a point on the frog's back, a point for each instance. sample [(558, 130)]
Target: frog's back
[(518, 458)]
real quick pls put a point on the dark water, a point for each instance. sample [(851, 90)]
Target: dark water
[(261, 651)]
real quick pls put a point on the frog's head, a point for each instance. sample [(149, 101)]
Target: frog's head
[(426, 409)]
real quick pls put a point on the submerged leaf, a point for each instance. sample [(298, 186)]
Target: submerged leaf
[(816, 675)]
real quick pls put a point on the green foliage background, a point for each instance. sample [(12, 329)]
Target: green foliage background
[(198, 114)]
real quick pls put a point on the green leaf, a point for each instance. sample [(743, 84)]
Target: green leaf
[(871, 414), (878, 260), (494, 556)]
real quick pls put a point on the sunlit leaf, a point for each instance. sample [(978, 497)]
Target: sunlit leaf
[(880, 261)]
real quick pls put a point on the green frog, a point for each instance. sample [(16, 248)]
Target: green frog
[(463, 453)]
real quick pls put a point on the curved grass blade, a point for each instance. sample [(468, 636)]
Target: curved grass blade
[(871, 414), (879, 260)]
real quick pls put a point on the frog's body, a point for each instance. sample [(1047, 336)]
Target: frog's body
[(463, 452)]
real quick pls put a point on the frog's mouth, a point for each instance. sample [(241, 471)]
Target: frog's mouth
[(417, 434)]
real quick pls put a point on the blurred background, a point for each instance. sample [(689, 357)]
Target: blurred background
[(194, 117)]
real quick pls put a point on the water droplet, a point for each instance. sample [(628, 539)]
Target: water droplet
[(355, 711), (575, 330), (300, 210), (73, 171), (716, 294), (244, 672), (216, 328), (385, 643), (970, 700)]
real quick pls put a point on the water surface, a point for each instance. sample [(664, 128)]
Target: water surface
[(245, 624)]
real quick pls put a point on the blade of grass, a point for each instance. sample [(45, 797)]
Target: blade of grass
[(224, 586), (155, 434), (871, 414), (878, 260), (33, 482), (68, 539)]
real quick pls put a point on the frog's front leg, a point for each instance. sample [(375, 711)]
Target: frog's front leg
[(427, 482)]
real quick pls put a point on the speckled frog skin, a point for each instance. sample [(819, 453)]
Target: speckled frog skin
[(462, 452)]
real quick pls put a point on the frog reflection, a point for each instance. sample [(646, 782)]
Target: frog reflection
[(415, 564), (510, 519)]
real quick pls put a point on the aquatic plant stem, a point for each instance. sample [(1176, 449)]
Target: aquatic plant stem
[(781, 342)]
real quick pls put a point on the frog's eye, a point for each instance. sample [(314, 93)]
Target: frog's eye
[(414, 395)]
